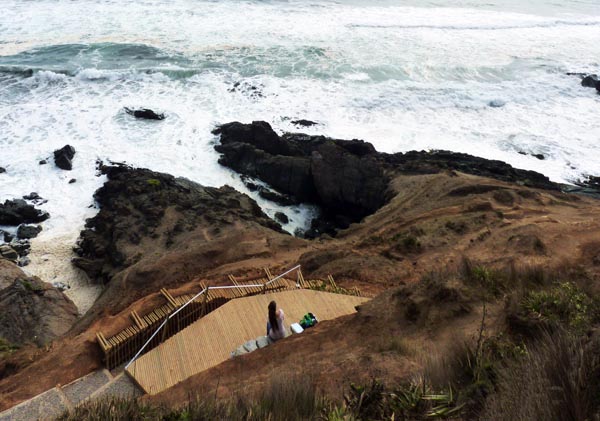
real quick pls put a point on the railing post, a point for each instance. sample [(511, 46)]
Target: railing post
[(164, 332), (204, 302)]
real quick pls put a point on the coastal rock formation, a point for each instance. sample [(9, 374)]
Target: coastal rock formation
[(341, 176), (251, 90), (32, 310), (348, 179), (590, 81), (496, 103), (28, 231), (35, 198), (8, 253), (145, 211), (304, 123), (539, 156), (431, 162), (282, 217), (63, 157), (17, 211), (145, 113)]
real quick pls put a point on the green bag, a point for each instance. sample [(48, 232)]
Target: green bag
[(308, 320)]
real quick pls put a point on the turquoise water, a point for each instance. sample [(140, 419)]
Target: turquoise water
[(403, 75)]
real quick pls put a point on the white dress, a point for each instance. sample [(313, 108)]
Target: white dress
[(279, 333)]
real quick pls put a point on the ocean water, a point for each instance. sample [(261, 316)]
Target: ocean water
[(401, 74)]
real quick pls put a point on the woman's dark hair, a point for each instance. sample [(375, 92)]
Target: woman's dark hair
[(273, 316)]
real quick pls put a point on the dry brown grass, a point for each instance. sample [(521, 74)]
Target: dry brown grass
[(558, 380), (287, 397)]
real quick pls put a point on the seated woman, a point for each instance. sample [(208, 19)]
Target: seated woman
[(275, 326)]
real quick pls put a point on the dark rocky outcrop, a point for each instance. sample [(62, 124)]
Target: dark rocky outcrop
[(17, 211), (304, 123), (32, 311), (2, 170), (251, 90), (539, 156), (593, 181), (24, 261), (139, 206), (341, 176), (16, 251), (145, 113), (22, 247), (348, 178), (496, 103), (35, 198), (590, 81), (423, 162), (8, 253), (32, 196), (28, 231), (63, 157), (282, 217), (273, 196), (589, 185)]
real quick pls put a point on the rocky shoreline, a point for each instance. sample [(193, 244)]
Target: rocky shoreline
[(133, 203), (347, 179), (390, 219)]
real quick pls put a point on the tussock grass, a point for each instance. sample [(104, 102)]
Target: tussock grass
[(395, 345), (286, 397), (559, 379)]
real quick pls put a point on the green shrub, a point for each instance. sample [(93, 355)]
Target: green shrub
[(29, 286), (492, 281), (415, 400), (564, 303), (6, 347), (459, 227), (407, 243), (153, 182)]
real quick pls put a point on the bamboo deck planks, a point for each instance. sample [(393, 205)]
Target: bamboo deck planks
[(210, 340)]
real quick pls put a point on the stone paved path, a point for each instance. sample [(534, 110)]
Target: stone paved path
[(55, 401)]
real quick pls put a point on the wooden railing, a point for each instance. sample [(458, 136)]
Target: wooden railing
[(151, 329)]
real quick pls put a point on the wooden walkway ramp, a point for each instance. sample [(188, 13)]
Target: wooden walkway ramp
[(210, 340)]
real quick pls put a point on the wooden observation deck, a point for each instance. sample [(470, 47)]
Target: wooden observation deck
[(210, 340)]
